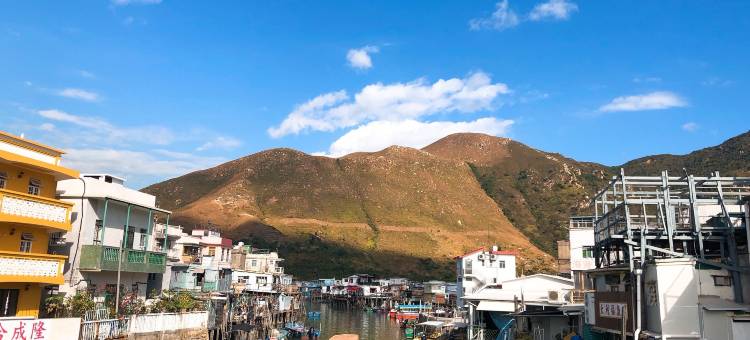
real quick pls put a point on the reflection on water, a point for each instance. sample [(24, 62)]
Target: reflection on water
[(339, 320)]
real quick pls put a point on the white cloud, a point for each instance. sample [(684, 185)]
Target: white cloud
[(139, 167), (100, 131), (646, 79), (220, 142), (60, 116), (716, 81), (502, 18), (395, 102), (553, 10), (378, 135), (359, 58), (86, 74), (47, 127), (79, 94), (135, 2), (690, 126), (659, 100)]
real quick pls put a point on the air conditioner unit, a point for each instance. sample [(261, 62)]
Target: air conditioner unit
[(553, 296)]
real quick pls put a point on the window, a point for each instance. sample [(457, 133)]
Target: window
[(254, 263), (588, 252), (721, 280), (8, 302), (467, 268), (98, 227), (142, 242), (3, 179), (34, 186), (57, 238), (261, 280), (501, 264), (25, 246), (211, 251)]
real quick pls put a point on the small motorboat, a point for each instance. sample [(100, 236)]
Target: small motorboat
[(295, 329)]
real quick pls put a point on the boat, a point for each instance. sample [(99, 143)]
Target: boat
[(411, 312), (434, 330), (313, 315), (295, 329)]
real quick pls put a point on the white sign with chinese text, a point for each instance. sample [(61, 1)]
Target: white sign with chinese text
[(35, 329), (611, 310)]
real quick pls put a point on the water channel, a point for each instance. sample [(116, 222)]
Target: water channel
[(340, 320)]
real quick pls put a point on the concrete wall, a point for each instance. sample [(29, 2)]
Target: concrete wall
[(678, 299), (169, 326), (580, 238), (51, 329), (717, 325)]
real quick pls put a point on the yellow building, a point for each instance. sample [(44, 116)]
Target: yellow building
[(29, 214)]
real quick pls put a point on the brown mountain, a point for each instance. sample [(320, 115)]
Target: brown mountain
[(399, 211), (407, 212), (537, 190), (731, 158)]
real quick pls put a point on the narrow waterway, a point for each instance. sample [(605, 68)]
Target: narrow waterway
[(338, 320)]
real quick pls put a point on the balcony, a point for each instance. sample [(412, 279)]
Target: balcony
[(30, 267), (16, 207), (103, 258)]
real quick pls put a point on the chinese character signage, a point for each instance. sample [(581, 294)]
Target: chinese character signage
[(611, 310), (35, 329)]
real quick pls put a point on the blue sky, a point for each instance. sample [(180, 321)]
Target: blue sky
[(153, 89)]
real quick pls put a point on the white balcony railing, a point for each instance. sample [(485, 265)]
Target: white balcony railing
[(38, 208), (31, 265)]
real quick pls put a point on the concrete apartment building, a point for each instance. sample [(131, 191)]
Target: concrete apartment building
[(30, 216), (481, 268), (111, 221)]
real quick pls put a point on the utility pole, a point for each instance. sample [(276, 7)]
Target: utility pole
[(119, 262)]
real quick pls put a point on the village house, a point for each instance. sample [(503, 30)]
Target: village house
[(111, 222), (257, 270), (30, 218), (481, 268), (204, 263), (529, 304)]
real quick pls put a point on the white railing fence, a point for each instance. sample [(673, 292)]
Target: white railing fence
[(145, 323)]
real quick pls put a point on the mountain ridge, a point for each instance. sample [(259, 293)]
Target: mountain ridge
[(405, 211)]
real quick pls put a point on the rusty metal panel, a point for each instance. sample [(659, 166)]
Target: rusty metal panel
[(609, 312)]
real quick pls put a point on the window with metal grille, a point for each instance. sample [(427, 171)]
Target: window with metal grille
[(25, 246), (34, 186), (588, 252), (3, 179), (721, 280)]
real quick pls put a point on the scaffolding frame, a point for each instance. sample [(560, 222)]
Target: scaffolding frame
[(639, 218)]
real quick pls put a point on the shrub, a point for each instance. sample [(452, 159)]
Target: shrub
[(77, 305)]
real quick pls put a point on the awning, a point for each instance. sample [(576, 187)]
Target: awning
[(712, 303), (431, 323), (497, 306)]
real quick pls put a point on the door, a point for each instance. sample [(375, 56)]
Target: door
[(129, 238)]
